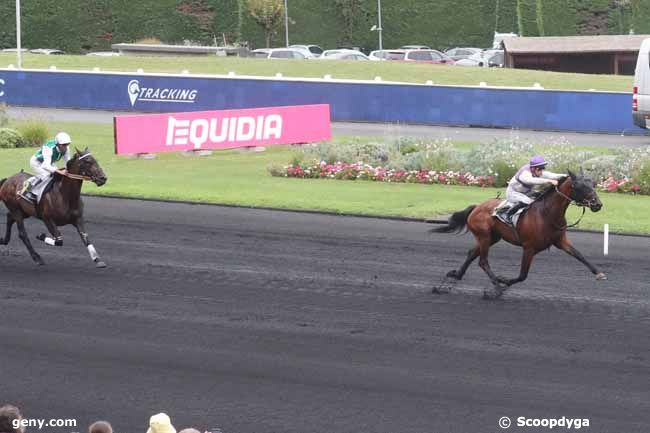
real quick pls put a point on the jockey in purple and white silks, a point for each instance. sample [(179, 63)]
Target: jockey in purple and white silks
[(526, 182)]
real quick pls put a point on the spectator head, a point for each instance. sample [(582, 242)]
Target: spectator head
[(189, 430), (160, 423), (100, 427), (8, 414)]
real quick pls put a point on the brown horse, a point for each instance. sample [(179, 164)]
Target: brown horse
[(60, 204), (543, 224)]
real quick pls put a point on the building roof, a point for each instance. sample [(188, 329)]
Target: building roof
[(574, 44)]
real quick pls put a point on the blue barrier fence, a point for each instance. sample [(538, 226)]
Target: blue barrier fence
[(349, 101)]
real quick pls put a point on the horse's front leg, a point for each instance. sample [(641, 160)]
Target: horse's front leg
[(57, 240), (81, 229), (565, 245)]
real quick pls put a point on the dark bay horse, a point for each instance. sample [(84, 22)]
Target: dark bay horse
[(59, 205), (542, 225)]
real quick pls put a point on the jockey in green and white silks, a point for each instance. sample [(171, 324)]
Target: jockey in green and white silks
[(43, 162)]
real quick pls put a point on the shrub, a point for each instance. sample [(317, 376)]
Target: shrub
[(34, 132), (4, 120), (10, 138), (642, 177), (503, 172)]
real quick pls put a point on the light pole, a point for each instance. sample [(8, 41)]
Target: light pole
[(286, 24), (379, 23), (18, 53)]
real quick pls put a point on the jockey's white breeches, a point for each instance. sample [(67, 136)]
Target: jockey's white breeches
[(517, 197), (39, 171)]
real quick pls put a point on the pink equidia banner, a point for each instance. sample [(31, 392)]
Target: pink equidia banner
[(224, 129)]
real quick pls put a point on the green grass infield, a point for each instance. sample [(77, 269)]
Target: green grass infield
[(233, 177)]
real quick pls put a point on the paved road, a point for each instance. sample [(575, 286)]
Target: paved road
[(264, 321), (481, 135)]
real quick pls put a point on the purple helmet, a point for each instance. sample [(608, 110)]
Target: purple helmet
[(537, 161)]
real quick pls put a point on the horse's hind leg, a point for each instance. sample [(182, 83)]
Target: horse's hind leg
[(10, 223), (22, 233), (79, 224), (472, 254)]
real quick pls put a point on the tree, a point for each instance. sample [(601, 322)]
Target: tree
[(268, 14)]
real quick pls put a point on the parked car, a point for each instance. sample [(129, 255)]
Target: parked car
[(364, 50), (415, 47), (328, 53), (486, 58), (313, 50), (104, 53), (346, 55), (278, 53), (378, 55), (422, 56), (46, 51), (462, 52)]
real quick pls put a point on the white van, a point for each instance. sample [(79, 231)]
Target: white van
[(641, 89)]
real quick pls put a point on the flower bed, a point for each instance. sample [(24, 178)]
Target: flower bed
[(361, 171)]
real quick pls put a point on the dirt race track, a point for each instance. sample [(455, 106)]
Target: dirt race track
[(255, 321)]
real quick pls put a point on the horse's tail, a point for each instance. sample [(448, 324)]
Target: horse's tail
[(457, 221)]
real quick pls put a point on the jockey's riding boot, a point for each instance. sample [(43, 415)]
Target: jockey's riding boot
[(28, 185)]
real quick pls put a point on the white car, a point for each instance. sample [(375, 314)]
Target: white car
[(46, 51), (104, 53), (484, 59), (378, 55), (279, 53), (345, 55), (309, 50)]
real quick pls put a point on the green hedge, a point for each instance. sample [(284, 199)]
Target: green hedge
[(85, 25)]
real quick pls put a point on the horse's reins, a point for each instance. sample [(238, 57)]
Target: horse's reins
[(582, 205)]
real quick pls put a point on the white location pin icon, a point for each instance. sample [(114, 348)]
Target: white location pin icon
[(134, 90)]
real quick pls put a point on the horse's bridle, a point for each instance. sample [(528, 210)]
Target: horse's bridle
[(80, 176), (583, 204)]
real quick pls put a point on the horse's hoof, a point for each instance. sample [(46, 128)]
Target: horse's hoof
[(100, 264), (452, 274), (441, 290), (601, 276), (39, 261)]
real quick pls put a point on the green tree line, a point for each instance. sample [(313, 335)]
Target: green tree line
[(78, 26)]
